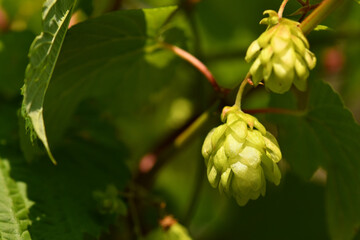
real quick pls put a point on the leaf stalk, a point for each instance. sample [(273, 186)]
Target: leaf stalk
[(196, 63)]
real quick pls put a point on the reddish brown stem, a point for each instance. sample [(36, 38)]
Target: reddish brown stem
[(196, 63)]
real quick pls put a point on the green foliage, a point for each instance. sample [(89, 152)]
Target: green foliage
[(115, 46), (43, 55), (14, 208), (326, 135), (114, 101), (63, 206), (286, 209)]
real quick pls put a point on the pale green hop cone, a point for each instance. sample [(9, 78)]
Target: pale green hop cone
[(240, 155), (281, 55)]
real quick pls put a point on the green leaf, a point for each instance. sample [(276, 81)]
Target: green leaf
[(43, 54), (327, 136), (63, 204), (120, 61), (14, 219)]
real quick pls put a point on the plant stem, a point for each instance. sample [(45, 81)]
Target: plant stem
[(195, 62), (282, 7), (187, 133), (241, 91), (319, 14)]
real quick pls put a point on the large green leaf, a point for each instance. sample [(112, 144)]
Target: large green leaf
[(43, 54), (63, 204), (14, 219), (115, 57), (327, 136), (294, 210), (62, 200)]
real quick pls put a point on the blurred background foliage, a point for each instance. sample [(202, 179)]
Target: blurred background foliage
[(218, 32)]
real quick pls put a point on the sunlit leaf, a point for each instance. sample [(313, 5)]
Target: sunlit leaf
[(43, 55), (120, 60), (14, 210)]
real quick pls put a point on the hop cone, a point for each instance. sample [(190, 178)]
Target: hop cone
[(281, 55), (240, 154)]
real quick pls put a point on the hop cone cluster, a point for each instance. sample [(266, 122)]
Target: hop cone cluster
[(240, 154), (281, 55)]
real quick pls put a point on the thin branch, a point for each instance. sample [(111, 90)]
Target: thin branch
[(196, 63)]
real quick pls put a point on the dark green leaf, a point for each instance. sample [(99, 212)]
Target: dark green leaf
[(43, 54), (120, 60), (327, 136), (86, 6), (63, 204)]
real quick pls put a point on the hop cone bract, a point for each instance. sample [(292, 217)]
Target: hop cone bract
[(240, 154), (281, 55)]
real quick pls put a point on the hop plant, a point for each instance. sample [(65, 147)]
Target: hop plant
[(240, 154), (281, 55)]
